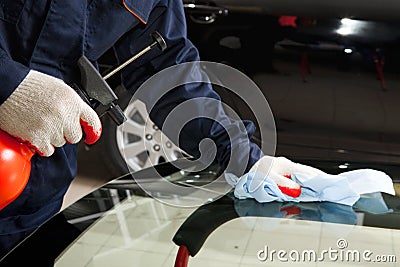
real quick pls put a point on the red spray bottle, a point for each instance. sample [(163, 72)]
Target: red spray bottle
[(15, 168)]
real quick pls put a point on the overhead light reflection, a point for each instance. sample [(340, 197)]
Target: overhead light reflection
[(346, 21), (344, 31), (348, 50), (350, 26), (344, 166)]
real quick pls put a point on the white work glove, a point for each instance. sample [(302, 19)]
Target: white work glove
[(44, 112), (280, 169)]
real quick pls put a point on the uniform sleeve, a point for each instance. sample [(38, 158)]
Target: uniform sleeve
[(230, 136), (11, 75)]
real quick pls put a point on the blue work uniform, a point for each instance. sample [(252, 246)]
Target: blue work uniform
[(50, 35)]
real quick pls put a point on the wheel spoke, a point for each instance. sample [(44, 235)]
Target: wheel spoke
[(133, 165), (168, 154), (134, 149), (171, 156), (132, 127), (153, 159), (140, 108)]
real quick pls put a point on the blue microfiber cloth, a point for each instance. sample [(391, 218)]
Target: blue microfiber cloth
[(345, 188)]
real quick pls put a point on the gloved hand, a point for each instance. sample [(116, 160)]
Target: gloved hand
[(44, 112), (280, 169)]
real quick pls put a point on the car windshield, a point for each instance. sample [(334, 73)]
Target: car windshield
[(121, 223)]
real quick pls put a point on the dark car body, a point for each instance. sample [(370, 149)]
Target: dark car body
[(329, 71)]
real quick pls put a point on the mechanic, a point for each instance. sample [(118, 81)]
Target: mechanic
[(40, 43)]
